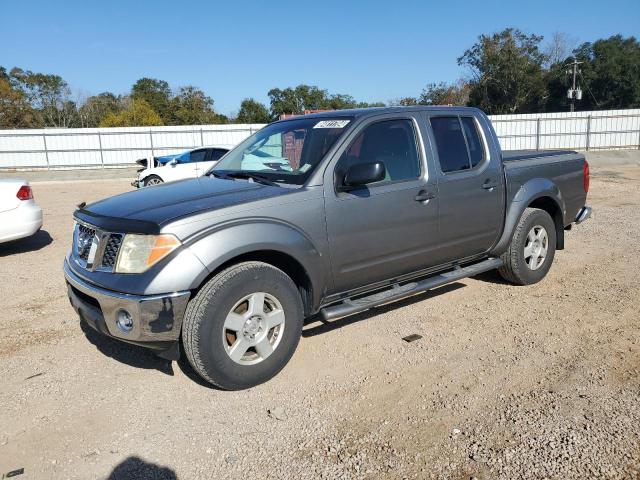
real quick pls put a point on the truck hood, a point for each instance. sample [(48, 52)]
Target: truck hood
[(163, 203)]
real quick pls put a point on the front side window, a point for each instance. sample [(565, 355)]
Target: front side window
[(197, 156), (392, 142), (287, 151)]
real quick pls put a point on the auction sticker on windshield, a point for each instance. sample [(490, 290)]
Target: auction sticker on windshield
[(331, 124)]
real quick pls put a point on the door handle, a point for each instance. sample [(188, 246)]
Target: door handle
[(424, 196), (489, 184)]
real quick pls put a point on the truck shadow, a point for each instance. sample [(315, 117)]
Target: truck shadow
[(35, 242), (136, 467), (311, 328), (126, 353)]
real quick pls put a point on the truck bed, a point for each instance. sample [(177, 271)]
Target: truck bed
[(516, 155)]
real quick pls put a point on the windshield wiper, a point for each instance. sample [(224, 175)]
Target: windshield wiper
[(256, 177)]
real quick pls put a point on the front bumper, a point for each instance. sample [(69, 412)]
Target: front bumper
[(157, 319)]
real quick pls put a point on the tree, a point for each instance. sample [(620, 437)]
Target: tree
[(192, 107), (305, 97), (506, 70), (15, 110), (252, 111), (95, 108), (137, 114), (445, 94), (609, 76), (156, 93), (557, 49), (49, 94), (610, 73)]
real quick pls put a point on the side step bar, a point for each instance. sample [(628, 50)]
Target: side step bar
[(398, 292)]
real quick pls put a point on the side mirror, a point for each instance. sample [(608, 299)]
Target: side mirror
[(363, 174), (173, 162)]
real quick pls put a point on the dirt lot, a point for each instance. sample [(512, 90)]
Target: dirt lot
[(507, 382)]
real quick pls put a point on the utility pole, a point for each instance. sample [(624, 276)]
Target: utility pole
[(574, 93)]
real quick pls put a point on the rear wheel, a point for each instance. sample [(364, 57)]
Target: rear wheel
[(532, 248), (152, 180), (243, 326)]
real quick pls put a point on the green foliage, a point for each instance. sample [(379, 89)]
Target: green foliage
[(305, 97), (15, 110), (445, 94), (610, 75), (156, 93), (507, 72), (48, 94), (252, 111), (97, 107), (192, 107), (137, 114)]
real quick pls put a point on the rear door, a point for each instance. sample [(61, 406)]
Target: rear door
[(470, 185)]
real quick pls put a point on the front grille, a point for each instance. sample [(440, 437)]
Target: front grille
[(95, 249), (84, 241), (111, 250)]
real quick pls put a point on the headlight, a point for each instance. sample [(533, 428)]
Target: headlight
[(140, 252)]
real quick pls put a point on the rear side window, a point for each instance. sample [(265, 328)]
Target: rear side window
[(452, 150), (476, 150), (217, 153), (458, 143)]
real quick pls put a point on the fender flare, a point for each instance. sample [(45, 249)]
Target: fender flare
[(218, 245), (532, 190)]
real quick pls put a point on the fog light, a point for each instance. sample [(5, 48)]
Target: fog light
[(124, 321)]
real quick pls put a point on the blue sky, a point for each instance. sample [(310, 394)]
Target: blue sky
[(373, 50)]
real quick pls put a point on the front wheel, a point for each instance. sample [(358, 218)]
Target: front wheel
[(243, 326), (152, 180), (532, 248)]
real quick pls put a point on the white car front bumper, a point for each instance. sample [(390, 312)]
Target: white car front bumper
[(20, 222)]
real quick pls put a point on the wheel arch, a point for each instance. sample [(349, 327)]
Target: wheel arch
[(283, 261), (273, 242), (539, 193)]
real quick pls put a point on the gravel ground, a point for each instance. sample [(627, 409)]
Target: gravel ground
[(506, 382)]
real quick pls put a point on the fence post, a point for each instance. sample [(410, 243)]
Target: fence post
[(538, 133), (588, 133), (153, 155), (100, 146), (201, 138), (46, 152)]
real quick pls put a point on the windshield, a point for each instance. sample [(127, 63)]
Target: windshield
[(285, 152)]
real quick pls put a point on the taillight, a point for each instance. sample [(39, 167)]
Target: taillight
[(25, 193), (585, 177)]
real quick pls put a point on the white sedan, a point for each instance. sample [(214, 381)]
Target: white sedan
[(20, 217), (189, 164)]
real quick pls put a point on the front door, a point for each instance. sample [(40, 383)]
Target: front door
[(388, 228)]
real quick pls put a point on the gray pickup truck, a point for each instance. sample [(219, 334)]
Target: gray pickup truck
[(326, 214)]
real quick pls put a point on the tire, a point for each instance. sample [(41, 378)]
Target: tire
[(527, 267), (152, 180), (221, 318)]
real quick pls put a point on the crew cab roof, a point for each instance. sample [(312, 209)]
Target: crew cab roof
[(372, 111)]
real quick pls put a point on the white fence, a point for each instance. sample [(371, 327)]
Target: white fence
[(596, 130), (117, 147), (109, 147)]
